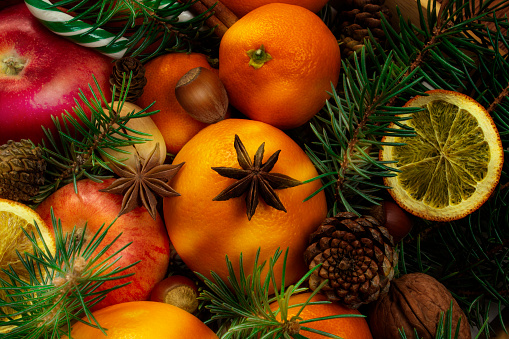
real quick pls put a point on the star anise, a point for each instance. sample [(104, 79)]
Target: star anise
[(255, 179), (141, 184)]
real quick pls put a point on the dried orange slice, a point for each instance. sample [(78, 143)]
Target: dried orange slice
[(453, 164), (13, 217)]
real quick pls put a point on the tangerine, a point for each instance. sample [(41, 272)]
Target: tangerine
[(203, 231), (144, 320), (344, 327), (242, 7), (277, 64), (162, 74)]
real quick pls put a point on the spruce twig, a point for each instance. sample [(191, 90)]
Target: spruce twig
[(460, 48), (77, 151), (152, 27), (61, 287), (243, 310)]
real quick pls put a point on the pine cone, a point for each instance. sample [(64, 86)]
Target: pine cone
[(357, 258), (138, 80), (357, 16), (21, 170)]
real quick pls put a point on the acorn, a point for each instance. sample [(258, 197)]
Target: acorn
[(202, 94)]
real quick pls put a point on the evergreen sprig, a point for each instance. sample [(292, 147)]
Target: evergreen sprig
[(461, 47), (242, 305), (145, 23), (349, 132), (77, 151), (57, 289)]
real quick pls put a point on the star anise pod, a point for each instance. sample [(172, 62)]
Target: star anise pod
[(255, 179), (141, 184)]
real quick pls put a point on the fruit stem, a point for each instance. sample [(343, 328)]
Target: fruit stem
[(12, 65), (258, 57)]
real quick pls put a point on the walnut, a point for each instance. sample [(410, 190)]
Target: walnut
[(414, 301)]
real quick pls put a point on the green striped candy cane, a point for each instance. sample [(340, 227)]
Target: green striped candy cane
[(77, 31)]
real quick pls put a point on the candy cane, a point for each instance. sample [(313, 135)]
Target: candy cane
[(76, 30)]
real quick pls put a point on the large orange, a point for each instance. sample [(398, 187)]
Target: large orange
[(345, 327), (242, 7), (162, 74), (204, 231), (289, 89), (144, 320)]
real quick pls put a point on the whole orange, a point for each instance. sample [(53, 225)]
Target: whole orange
[(242, 7), (144, 320), (345, 327), (162, 74), (204, 231), (290, 88)]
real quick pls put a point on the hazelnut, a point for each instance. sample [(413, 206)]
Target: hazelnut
[(202, 94), (394, 218), (178, 291)]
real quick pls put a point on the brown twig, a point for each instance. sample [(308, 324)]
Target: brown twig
[(221, 19)]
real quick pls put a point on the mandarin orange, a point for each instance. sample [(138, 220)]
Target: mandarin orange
[(277, 64), (345, 327), (144, 320), (162, 74), (242, 7), (203, 231)]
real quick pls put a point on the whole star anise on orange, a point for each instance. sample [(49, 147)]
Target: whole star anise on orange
[(255, 179), (140, 185)]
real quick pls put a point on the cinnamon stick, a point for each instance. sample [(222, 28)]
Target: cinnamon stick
[(213, 21), (227, 17), (222, 18)]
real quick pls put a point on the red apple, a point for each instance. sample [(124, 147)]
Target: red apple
[(150, 242), (41, 74)]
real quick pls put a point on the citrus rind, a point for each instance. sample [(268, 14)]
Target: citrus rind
[(13, 215), (442, 177)]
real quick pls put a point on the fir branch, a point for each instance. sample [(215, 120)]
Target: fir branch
[(242, 305), (60, 288), (153, 23), (77, 150), (350, 136)]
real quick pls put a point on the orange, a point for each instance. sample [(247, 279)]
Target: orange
[(204, 231), (14, 217), (242, 7), (452, 165), (162, 74), (290, 88), (346, 327), (144, 320)]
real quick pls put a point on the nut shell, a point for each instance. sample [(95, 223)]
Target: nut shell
[(202, 94), (415, 300)]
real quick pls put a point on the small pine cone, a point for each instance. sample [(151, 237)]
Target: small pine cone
[(357, 258), (360, 16), (21, 170), (138, 80)]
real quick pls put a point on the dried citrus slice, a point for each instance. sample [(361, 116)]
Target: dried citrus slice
[(453, 164), (13, 216)]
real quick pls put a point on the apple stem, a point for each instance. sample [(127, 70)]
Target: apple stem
[(12, 65)]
